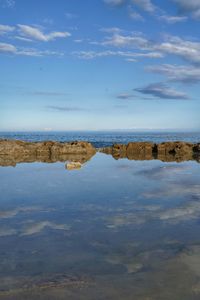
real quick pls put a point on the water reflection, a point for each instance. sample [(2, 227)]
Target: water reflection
[(118, 229)]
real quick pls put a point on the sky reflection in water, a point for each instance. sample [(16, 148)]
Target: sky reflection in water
[(112, 230)]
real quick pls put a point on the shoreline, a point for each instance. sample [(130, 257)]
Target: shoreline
[(13, 152)]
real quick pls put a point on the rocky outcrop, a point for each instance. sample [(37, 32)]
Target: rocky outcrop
[(13, 147), (13, 152), (167, 151)]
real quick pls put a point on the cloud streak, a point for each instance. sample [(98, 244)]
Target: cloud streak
[(6, 48), (162, 91), (125, 96), (36, 34), (64, 108), (108, 53), (184, 74), (171, 45), (145, 5), (115, 2), (173, 19), (4, 29)]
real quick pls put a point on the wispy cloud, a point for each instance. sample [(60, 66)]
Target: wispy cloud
[(172, 19), (6, 48), (6, 29), (64, 108), (145, 5), (133, 41), (134, 15), (184, 74), (111, 29), (37, 34), (7, 3), (109, 53), (125, 96), (115, 2), (162, 91), (70, 16), (173, 45), (185, 49)]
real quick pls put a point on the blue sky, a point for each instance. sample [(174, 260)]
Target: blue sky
[(99, 64)]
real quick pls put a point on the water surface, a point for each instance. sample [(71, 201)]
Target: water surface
[(116, 229)]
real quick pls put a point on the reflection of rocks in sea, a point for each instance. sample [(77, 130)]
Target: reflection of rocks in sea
[(13, 152), (167, 151)]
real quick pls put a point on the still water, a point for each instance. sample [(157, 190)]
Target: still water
[(113, 230)]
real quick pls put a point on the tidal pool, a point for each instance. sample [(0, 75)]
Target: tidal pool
[(115, 229)]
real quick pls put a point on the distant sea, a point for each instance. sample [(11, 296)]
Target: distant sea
[(103, 138)]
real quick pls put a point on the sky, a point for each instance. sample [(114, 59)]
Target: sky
[(99, 65)]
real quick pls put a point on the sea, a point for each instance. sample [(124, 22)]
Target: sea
[(103, 138), (115, 229)]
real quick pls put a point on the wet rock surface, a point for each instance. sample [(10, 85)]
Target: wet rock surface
[(167, 151), (77, 153), (13, 152)]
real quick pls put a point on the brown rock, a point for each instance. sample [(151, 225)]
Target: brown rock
[(13, 152), (141, 150)]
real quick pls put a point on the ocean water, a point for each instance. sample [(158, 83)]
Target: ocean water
[(102, 139), (113, 230)]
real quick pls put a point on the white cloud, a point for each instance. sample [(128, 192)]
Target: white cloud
[(127, 54), (36, 34), (6, 29), (118, 40), (7, 48), (11, 49), (146, 5), (134, 15), (185, 74), (188, 50), (173, 19)]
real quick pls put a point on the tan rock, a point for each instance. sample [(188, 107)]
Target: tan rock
[(73, 165)]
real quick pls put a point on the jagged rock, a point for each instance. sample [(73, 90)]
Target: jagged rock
[(175, 148)]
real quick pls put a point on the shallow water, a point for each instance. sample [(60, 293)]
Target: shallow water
[(115, 229)]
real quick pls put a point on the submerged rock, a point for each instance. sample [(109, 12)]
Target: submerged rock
[(73, 165)]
